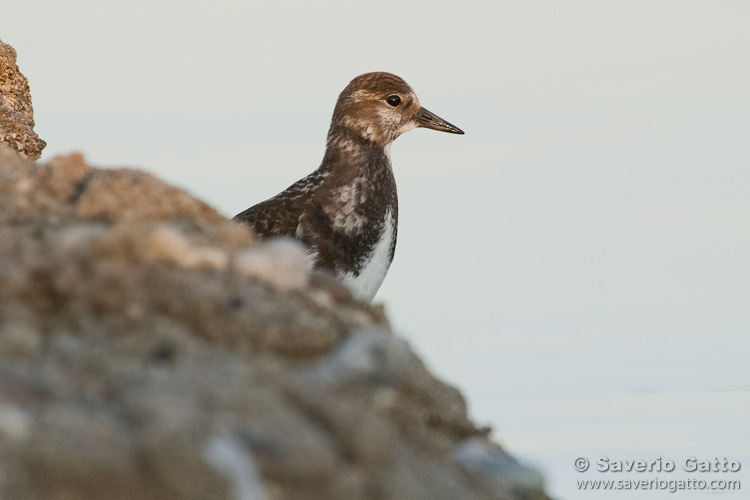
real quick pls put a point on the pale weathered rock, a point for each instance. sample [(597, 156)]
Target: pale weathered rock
[(486, 459), (14, 424), (16, 112), (143, 354), (282, 263)]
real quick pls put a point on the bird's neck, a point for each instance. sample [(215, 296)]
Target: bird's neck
[(350, 154), (358, 179)]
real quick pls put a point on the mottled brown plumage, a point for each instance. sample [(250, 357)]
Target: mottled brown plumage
[(346, 211)]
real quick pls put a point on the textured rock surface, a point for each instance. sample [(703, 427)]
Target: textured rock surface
[(16, 113), (150, 348)]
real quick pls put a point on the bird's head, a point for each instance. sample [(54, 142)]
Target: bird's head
[(381, 106)]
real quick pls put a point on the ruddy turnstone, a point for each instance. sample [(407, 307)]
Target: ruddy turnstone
[(346, 211)]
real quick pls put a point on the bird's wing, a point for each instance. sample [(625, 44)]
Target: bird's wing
[(272, 217), (280, 215)]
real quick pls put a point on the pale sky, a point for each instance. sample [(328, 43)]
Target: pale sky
[(600, 199)]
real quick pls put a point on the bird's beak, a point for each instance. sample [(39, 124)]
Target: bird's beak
[(426, 119)]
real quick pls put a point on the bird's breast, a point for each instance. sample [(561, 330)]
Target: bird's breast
[(365, 280)]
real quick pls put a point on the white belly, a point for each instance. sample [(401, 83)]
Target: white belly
[(366, 284)]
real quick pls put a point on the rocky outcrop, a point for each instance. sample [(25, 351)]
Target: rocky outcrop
[(151, 348), (16, 113)]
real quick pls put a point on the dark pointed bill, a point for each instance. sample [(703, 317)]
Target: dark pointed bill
[(427, 119)]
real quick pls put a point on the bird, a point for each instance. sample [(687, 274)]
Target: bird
[(345, 212)]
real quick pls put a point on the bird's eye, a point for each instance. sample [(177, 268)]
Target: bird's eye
[(393, 100)]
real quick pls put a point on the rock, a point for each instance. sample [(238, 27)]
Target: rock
[(14, 424), (16, 112), (282, 263), (226, 454), (151, 348), (369, 356), (169, 243), (154, 349), (486, 459)]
